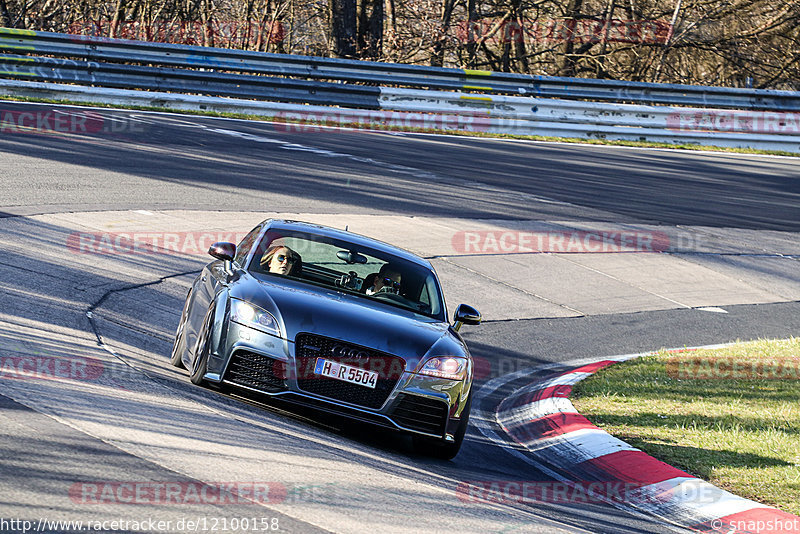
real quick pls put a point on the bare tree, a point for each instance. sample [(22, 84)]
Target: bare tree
[(370, 29), (736, 43), (343, 27)]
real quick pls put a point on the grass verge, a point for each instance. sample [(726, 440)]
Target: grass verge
[(730, 416), (244, 116)]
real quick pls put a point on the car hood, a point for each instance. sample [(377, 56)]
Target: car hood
[(300, 307)]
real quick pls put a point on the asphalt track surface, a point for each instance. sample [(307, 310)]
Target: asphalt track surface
[(183, 162), (160, 162)]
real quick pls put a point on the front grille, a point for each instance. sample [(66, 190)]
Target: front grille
[(255, 371), (309, 347), (420, 413)]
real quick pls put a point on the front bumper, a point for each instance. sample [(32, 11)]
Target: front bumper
[(253, 361)]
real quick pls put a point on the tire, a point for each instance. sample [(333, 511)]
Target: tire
[(439, 448), (200, 364), (178, 346)]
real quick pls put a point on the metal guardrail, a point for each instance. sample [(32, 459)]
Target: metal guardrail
[(299, 89), (414, 110), (400, 75), (187, 81)]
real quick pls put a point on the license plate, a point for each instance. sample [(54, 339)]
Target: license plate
[(346, 373)]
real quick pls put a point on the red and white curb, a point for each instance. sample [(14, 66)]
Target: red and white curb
[(540, 418)]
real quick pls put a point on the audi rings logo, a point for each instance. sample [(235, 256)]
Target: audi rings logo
[(342, 351)]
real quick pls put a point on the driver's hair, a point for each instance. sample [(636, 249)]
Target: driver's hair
[(297, 265), (389, 268)]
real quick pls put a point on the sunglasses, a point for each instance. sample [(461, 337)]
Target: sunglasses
[(389, 282), (283, 258)]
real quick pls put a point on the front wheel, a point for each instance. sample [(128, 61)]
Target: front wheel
[(179, 346), (445, 450), (200, 364)]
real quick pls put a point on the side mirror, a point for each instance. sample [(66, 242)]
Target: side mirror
[(465, 315), (223, 251)]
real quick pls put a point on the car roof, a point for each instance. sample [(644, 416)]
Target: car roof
[(345, 235)]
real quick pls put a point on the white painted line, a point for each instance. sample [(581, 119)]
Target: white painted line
[(286, 145), (580, 445), (535, 410), (597, 444), (706, 500), (567, 379), (621, 281), (713, 309)]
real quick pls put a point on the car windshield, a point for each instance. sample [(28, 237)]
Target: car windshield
[(362, 271)]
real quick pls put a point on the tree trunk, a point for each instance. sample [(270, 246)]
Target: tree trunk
[(565, 62), (206, 16), (343, 28), (119, 16), (600, 72), (472, 33), (437, 57), (370, 29), (5, 18), (518, 35)]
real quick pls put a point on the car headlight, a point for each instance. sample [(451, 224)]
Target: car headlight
[(452, 367), (254, 317)]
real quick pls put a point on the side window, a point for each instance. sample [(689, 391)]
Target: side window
[(430, 296), (247, 243), (424, 296)]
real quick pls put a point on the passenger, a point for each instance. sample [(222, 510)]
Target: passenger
[(280, 259), (388, 279)]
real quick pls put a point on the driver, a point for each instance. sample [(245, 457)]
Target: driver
[(280, 259), (388, 279)]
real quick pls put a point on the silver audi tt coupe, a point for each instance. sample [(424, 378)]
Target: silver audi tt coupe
[(336, 321)]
